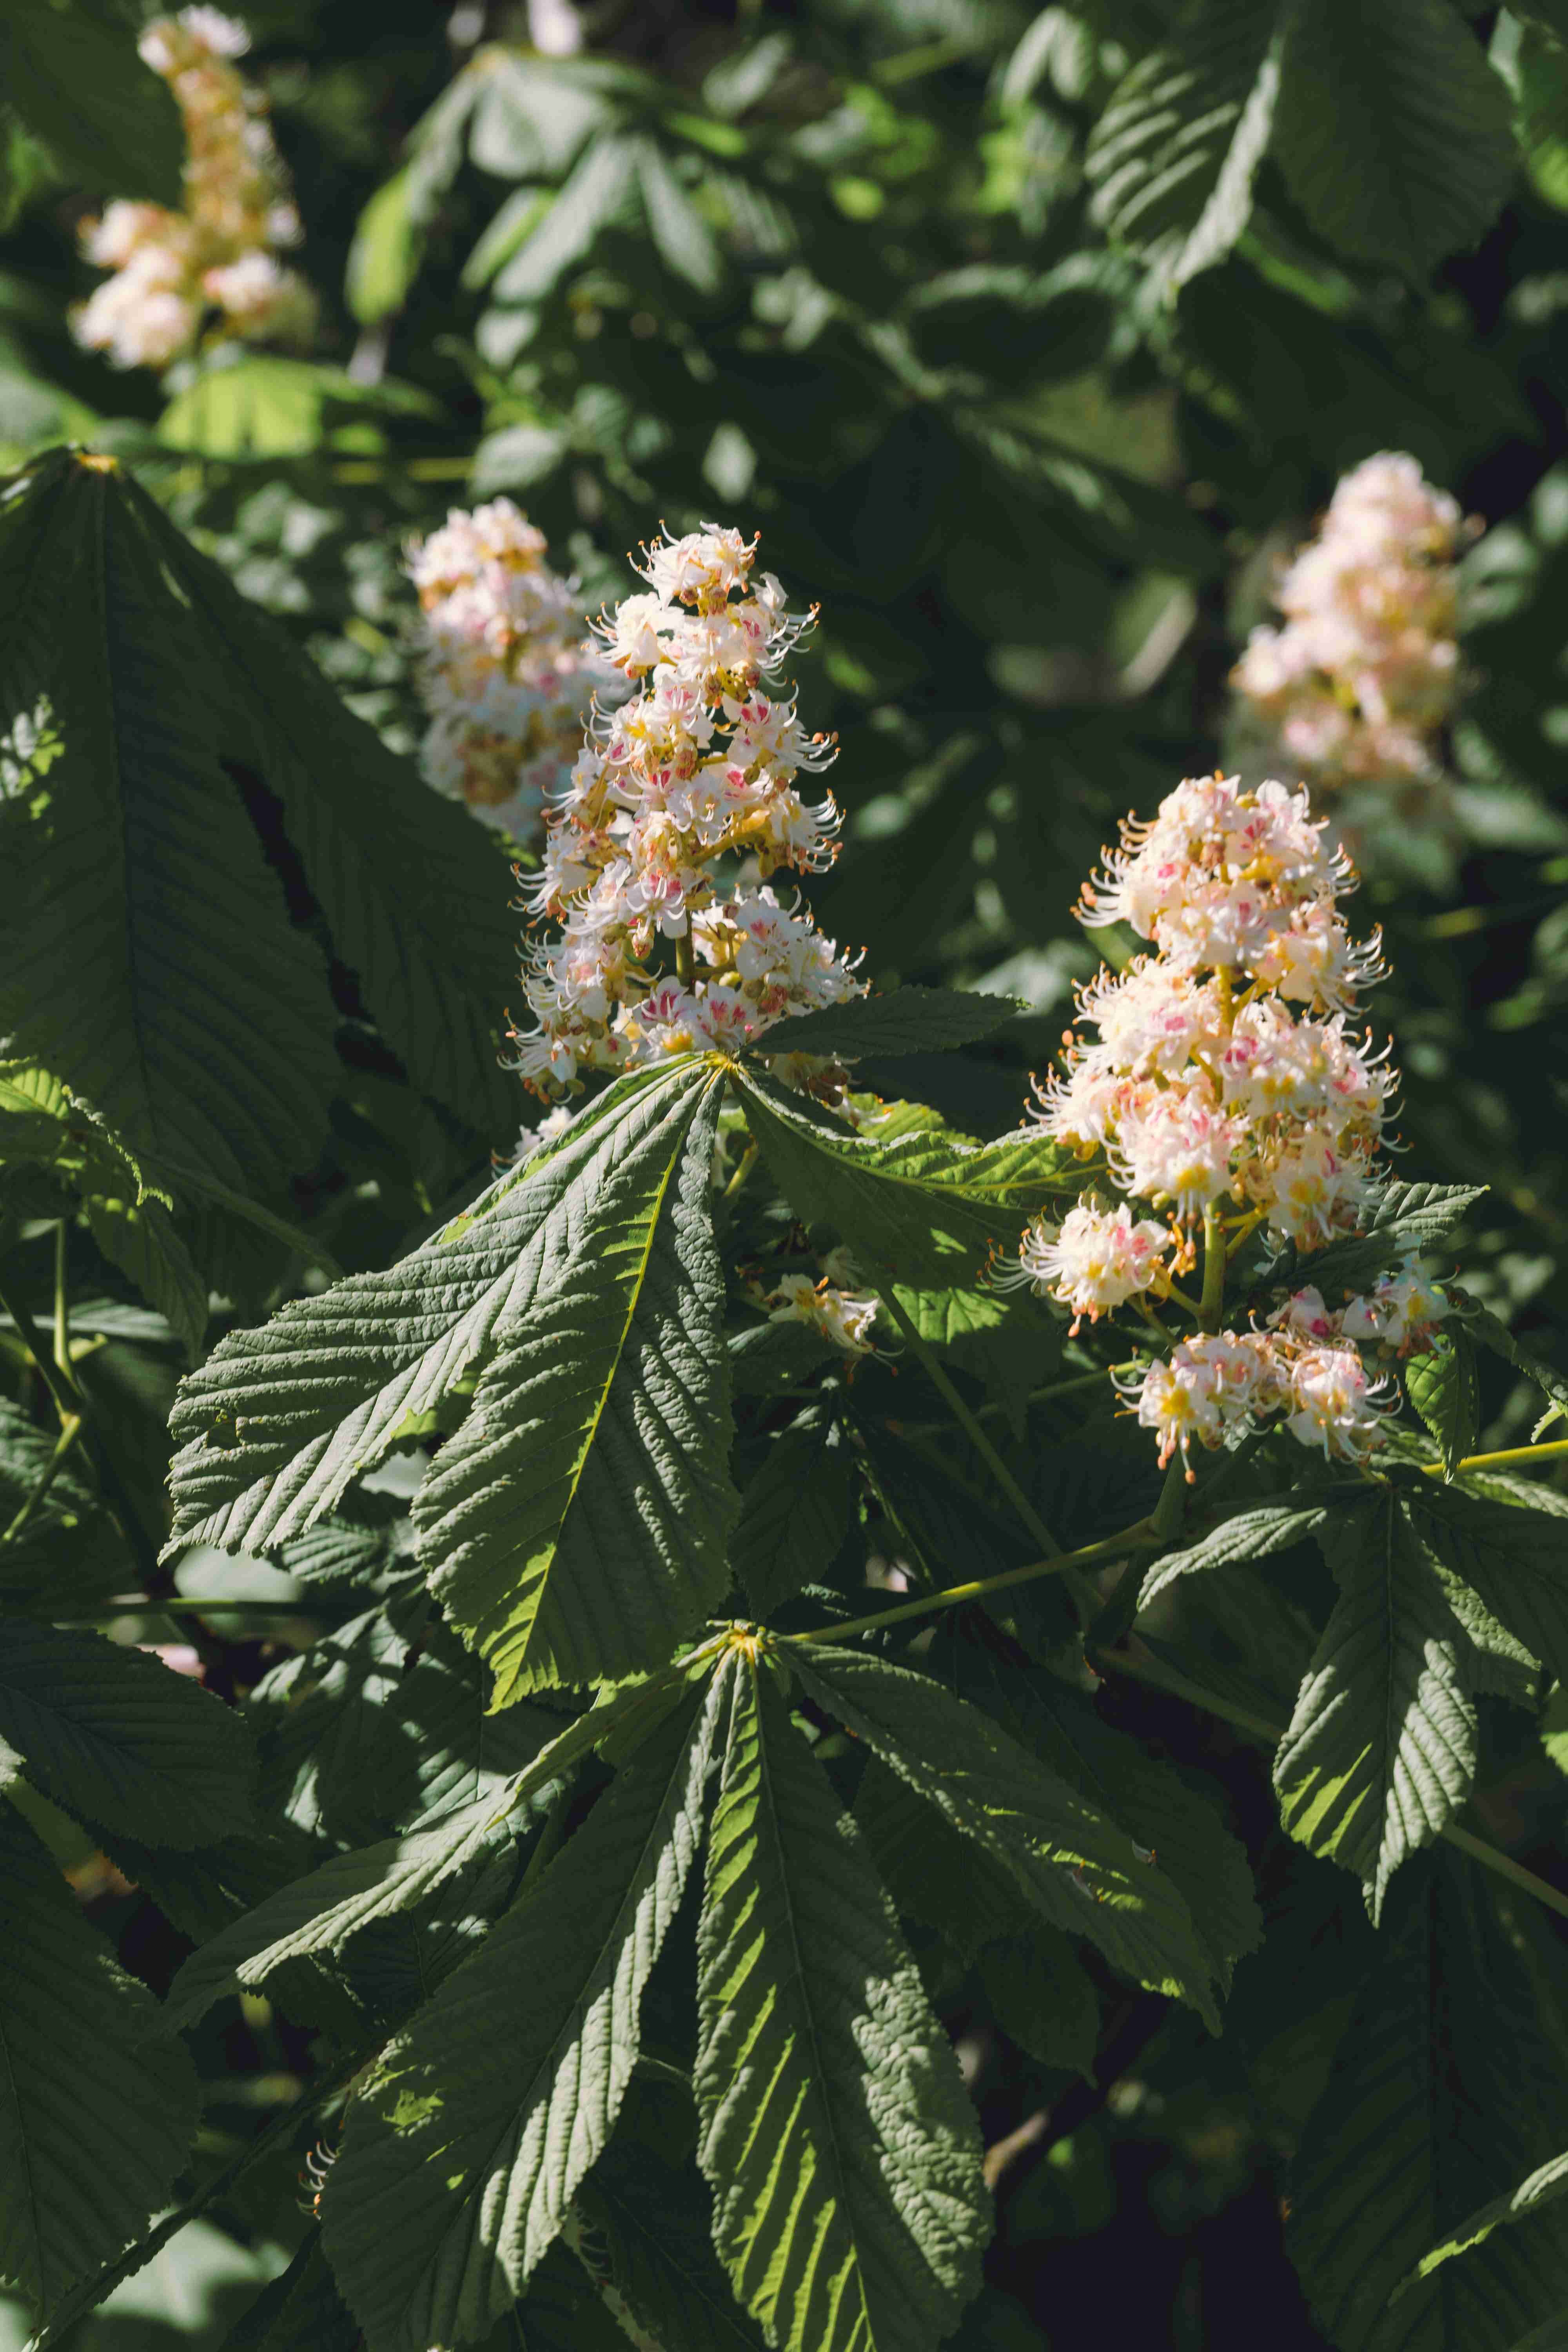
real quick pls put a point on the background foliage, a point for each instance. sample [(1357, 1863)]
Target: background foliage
[(1028, 342)]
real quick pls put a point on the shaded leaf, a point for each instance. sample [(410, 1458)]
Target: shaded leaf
[(905, 1021)]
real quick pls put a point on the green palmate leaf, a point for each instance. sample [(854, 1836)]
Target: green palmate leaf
[(416, 897), (320, 1912), (353, 1891), (1380, 1751), (1492, 1332), (1173, 156), (795, 1513), (462, 2155), (1542, 2187), (1515, 1558), (934, 1874), (576, 1525), (140, 1238), (69, 1548), (117, 1736), (1401, 1219), (73, 76), (1446, 2082), (926, 1206), (1180, 1828), (371, 1731), (155, 967), (586, 1283), (1078, 1870), (1441, 1384), (1540, 80), (97, 2107), (264, 406), (1247, 1535), (905, 1021), (836, 2134), (1393, 131)]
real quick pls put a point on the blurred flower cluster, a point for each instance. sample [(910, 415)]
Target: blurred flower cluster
[(507, 671), (1212, 1101), (1358, 683), (219, 254), (701, 766)]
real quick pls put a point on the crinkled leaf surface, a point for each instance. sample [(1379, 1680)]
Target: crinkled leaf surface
[(1078, 1868), (119, 1738), (462, 2155), (1380, 1751), (835, 2133), (1514, 1557)]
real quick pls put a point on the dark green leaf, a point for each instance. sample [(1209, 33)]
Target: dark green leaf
[(836, 2137), (1441, 1384), (795, 1513), (70, 1549), (75, 78), (116, 1736), (97, 2107), (1401, 1219), (300, 2312), (1043, 1999), (1381, 1750), (463, 2153), (905, 1021), (1247, 1535), (1515, 1558)]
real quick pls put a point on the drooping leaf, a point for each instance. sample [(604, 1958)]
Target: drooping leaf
[(1515, 1558), (1253, 1533), (413, 892), (1078, 1870), (905, 1021), (153, 966), (322, 1910), (836, 2134), (140, 1239), (117, 1736), (97, 2106), (1441, 1384), (794, 1513), (655, 2226), (462, 2155), (1393, 131), (1446, 2082), (599, 186), (927, 1207), (278, 1424), (577, 1523), (1042, 1998), (1380, 1751), (681, 237), (1401, 1219), (1492, 1332), (1174, 155)]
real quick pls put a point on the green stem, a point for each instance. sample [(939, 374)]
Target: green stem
[(971, 1426), (62, 1311), (71, 1430), (69, 1400), (1553, 1452), (744, 1168), (1165, 1678), (1108, 1547), (93, 2290), (1167, 1516), (685, 960)]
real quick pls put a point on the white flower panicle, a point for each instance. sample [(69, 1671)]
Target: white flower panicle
[(682, 804), (219, 254), (1364, 673), (508, 669), (1227, 1085)]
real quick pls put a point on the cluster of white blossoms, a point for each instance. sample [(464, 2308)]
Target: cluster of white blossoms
[(218, 254), (831, 1305), (1365, 672), (682, 804), (1228, 1086), (508, 668)]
